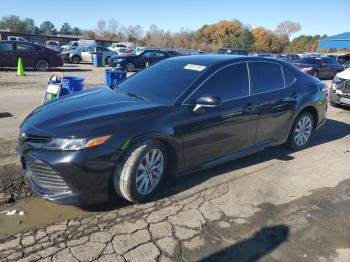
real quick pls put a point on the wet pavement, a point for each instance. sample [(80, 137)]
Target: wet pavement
[(276, 205)]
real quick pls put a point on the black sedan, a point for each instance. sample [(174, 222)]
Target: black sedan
[(179, 115), (321, 67), (132, 63)]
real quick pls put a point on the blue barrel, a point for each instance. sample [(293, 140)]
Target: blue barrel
[(114, 76), (71, 84), (97, 59)]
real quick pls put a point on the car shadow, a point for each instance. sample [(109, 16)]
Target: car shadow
[(331, 131), (253, 249)]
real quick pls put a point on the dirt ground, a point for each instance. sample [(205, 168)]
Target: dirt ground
[(275, 205)]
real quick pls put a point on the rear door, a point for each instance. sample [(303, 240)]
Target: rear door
[(6, 54), (25, 51), (272, 86)]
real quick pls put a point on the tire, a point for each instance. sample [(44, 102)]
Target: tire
[(315, 74), (130, 67), (75, 59), (295, 141), (41, 65), (132, 173)]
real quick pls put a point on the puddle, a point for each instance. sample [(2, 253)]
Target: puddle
[(37, 213)]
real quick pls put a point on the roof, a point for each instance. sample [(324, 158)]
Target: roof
[(207, 59), (336, 41)]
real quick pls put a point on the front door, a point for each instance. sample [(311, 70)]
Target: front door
[(217, 132), (145, 59), (6, 54)]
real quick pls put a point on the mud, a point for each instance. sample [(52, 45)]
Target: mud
[(37, 213)]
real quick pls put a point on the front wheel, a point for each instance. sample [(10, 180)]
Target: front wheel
[(138, 176), (130, 67), (301, 132)]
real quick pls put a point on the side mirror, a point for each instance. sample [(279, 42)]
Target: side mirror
[(206, 101)]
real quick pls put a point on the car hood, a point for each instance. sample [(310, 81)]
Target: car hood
[(87, 113), (344, 74)]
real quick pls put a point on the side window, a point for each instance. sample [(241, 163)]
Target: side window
[(229, 83), (265, 77), (289, 78), (148, 54), (159, 54), (6, 47), (23, 47)]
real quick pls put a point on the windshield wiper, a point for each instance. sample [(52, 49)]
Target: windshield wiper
[(131, 94)]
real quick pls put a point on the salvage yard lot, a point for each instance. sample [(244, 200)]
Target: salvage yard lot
[(276, 205)]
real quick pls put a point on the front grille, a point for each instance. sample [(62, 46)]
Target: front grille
[(33, 139), (44, 180)]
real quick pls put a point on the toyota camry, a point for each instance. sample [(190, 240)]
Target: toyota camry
[(180, 115)]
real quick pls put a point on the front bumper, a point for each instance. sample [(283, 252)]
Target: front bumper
[(70, 177), (339, 97)]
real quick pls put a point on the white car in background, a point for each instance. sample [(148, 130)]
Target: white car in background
[(54, 45), (339, 92), (16, 38)]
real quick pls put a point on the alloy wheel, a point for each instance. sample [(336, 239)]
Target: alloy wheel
[(149, 171), (130, 67), (303, 131)]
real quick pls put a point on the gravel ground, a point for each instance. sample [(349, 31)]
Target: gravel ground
[(275, 205)]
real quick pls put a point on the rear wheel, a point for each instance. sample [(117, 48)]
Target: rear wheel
[(138, 175), (301, 132), (41, 65)]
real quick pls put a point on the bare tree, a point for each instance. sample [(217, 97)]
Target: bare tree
[(113, 26), (287, 28), (101, 26)]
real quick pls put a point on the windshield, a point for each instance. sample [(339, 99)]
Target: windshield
[(162, 83)]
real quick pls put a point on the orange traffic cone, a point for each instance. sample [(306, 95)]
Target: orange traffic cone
[(20, 68)]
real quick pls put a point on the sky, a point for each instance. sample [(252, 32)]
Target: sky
[(315, 16)]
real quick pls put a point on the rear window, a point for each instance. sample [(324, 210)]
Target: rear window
[(266, 77), (162, 82)]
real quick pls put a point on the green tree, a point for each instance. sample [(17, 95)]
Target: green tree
[(66, 29), (13, 23), (48, 28), (76, 31), (29, 25)]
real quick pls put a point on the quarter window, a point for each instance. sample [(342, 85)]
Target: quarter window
[(229, 83), (265, 77), (288, 77)]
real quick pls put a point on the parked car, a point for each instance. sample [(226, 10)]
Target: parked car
[(230, 51), (344, 60), (33, 55), (54, 45), (182, 114), (320, 67), (16, 38), (339, 92), (292, 58), (84, 54), (70, 46), (136, 62)]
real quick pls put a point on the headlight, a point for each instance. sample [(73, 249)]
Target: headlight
[(337, 80), (75, 143)]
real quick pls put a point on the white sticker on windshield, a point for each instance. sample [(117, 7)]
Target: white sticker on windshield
[(195, 67)]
